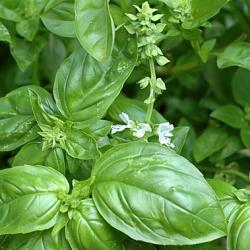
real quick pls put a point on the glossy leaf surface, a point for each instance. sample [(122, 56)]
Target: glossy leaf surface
[(85, 88), (97, 34), (29, 198), (141, 189), (87, 229)]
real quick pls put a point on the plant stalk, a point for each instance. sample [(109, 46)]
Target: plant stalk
[(153, 83)]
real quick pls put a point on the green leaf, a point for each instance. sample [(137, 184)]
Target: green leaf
[(24, 52), (80, 145), (97, 34), (44, 109), (236, 54), (197, 12), (17, 123), (233, 145), (201, 12), (99, 129), (87, 229), (9, 10), (55, 51), (32, 154), (134, 108), (239, 230), (4, 34), (231, 115), (28, 28), (141, 190), (241, 87), (84, 88), (29, 198), (60, 19), (38, 241), (209, 142), (226, 196), (137, 245), (245, 136), (179, 138), (206, 48)]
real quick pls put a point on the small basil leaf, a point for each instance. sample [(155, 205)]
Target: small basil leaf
[(4, 34), (32, 154), (24, 52), (209, 142), (44, 109), (28, 28), (17, 123), (245, 136), (80, 145), (226, 196), (81, 91), (141, 189), (29, 198), (233, 145), (231, 115), (99, 129), (179, 138), (236, 54), (97, 35), (87, 229), (60, 19), (241, 87)]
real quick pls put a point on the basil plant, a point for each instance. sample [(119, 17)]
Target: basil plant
[(124, 125)]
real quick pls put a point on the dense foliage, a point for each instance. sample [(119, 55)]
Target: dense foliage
[(125, 124)]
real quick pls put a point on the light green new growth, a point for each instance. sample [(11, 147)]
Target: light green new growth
[(145, 24)]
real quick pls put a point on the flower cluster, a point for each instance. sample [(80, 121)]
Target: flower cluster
[(164, 130), (148, 32)]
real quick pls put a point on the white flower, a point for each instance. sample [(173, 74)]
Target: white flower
[(139, 129), (164, 133)]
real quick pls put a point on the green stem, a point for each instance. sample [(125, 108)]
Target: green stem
[(153, 83), (225, 171)]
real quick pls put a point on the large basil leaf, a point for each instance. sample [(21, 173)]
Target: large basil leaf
[(85, 88), (239, 230), (17, 123), (236, 54), (88, 230), (152, 194), (60, 20), (29, 198), (32, 154), (97, 34), (38, 241)]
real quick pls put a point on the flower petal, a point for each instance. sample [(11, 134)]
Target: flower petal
[(138, 132), (145, 126), (118, 128)]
